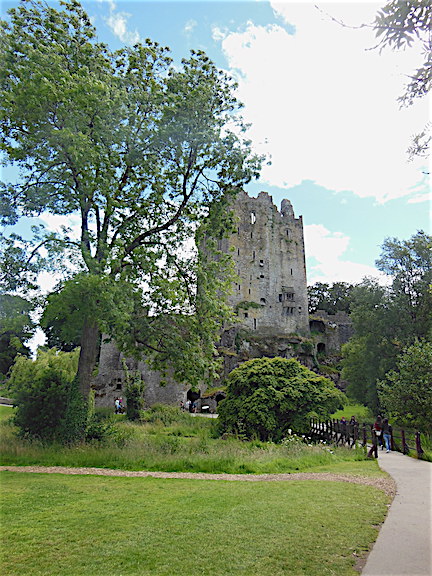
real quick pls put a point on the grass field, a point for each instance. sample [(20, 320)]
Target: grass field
[(175, 442), (85, 525)]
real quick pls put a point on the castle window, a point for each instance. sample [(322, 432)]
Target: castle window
[(119, 386), (249, 290), (253, 217), (321, 348), (255, 323), (238, 251), (291, 271), (253, 255), (246, 315), (261, 262), (261, 275), (239, 287), (280, 297), (262, 301)]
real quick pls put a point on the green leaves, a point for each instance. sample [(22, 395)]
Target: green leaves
[(268, 396), (406, 393)]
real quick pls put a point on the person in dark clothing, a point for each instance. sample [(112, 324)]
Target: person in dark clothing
[(386, 432)]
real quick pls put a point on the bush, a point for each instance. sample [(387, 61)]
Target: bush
[(134, 395), (268, 396), (49, 404)]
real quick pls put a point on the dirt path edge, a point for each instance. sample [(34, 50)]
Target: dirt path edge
[(385, 483)]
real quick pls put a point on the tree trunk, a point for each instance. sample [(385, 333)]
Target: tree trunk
[(90, 345)]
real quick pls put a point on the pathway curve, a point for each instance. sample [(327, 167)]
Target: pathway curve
[(404, 543)]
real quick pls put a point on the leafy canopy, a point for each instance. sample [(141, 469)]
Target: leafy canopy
[(138, 150), (406, 392), (268, 396), (16, 328), (387, 319)]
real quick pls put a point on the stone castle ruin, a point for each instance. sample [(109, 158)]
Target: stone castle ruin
[(270, 295), (269, 298)]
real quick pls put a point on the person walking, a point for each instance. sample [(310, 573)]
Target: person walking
[(377, 427), (386, 432)]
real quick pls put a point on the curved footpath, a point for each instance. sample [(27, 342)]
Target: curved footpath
[(404, 543)]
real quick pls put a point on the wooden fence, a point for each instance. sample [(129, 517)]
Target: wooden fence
[(347, 434)]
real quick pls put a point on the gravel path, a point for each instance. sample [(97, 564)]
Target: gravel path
[(386, 484)]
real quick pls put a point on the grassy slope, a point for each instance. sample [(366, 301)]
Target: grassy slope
[(75, 525)]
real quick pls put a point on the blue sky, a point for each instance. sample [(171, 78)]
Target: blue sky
[(322, 104)]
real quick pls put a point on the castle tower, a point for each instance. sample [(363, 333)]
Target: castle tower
[(270, 291)]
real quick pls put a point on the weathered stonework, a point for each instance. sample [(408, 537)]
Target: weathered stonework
[(270, 300), (110, 380), (330, 331), (270, 294)]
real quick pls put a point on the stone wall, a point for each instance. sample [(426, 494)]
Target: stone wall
[(270, 292), (110, 380), (330, 331)]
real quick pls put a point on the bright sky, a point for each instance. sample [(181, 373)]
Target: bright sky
[(322, 104)]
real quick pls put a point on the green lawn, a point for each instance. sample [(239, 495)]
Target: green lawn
[(86, 525)]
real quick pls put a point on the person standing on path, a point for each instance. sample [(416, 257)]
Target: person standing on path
[(386, 432)]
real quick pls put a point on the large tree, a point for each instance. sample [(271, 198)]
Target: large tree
[(386, 319), (406, 393), (137, 148)]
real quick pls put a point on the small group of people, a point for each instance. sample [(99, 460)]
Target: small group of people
[(383, 432), (188, 406), (118, 406)]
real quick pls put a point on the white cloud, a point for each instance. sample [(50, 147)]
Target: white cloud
[(324, 255), (118, 22), (326, 105), (190, 26)]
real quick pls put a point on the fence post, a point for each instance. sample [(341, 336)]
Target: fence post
[(374, 447), (364, 435), (419, 449), (405, 447)]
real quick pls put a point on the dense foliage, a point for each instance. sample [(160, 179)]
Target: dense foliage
[(266, 397), (138, 149), (331, 298), (45, 391), (134, 391), (386, 319), (16, 328), (406, 393)]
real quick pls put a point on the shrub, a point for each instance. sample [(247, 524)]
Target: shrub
[(268, 396), (49, 404), (134, 395)]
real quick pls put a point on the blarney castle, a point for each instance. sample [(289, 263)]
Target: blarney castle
[(270, 300)]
